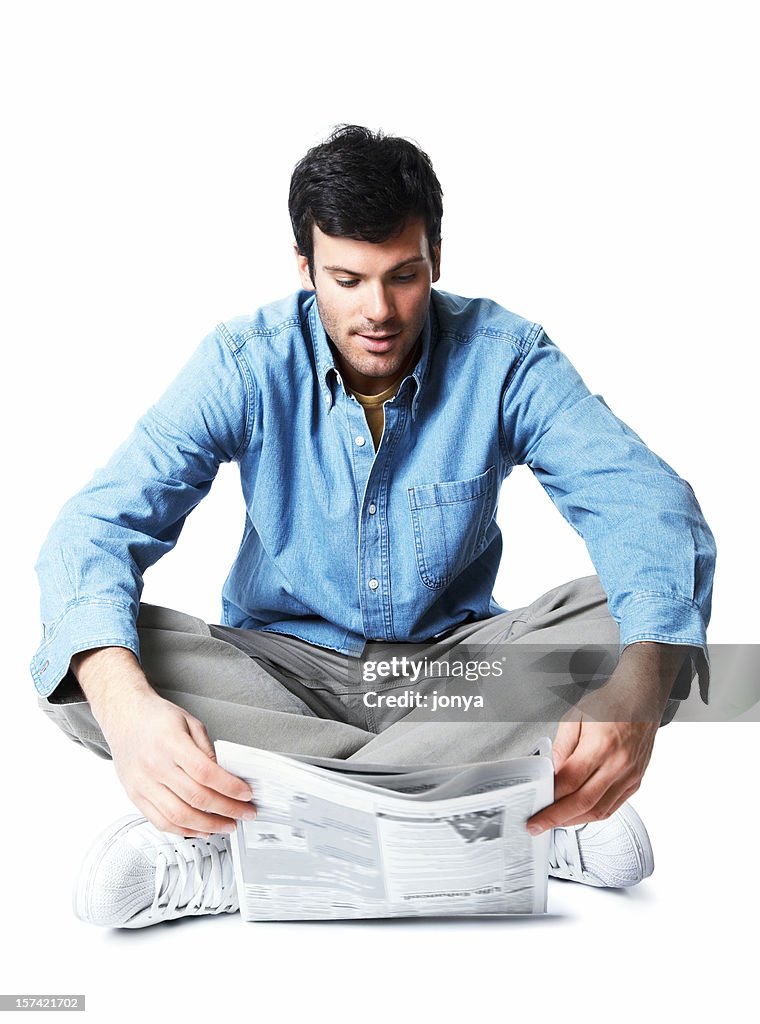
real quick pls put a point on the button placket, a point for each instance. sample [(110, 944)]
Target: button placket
[(363, 459), (374, 569)]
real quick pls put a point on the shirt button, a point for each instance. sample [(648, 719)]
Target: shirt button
[(373, 584), (372, 509), (359, 441)]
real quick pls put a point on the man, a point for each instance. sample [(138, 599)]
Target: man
[(373, 419)]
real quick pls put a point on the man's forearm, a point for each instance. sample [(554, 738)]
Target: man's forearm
[(643, 681), (107, 674), (657, 662)]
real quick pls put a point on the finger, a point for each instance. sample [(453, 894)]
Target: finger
[(202, 740), (208, 773), (565, 742), (575, 772), (572, 807), (204, 799), (156, 818), (609, 803), (614, 799), (200, 736), (181, 817)]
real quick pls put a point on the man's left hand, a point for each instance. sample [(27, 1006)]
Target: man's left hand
[(602, 748)]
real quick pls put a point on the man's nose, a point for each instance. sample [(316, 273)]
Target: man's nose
[(378, 304)]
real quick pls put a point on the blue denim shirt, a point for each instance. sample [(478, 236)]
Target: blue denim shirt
[(342, 544)]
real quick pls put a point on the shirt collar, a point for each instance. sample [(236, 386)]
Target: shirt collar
[(327, 371)]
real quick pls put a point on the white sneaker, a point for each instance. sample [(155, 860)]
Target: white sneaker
[(134, 876), (613, 852)]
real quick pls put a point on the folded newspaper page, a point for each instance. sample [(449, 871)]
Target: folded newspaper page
[(338, 839)]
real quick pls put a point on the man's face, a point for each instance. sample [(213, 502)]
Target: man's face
[(373, 300)]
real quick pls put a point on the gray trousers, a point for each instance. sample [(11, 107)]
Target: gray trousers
[(283, 694)]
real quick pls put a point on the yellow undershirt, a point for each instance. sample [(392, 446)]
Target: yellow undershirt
[(373, 408), (373, 404)]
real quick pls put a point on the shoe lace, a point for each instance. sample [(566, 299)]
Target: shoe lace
[(565, 853), (197, 878)]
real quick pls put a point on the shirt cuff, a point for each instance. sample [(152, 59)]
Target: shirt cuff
[(83, 625), (667, 619)]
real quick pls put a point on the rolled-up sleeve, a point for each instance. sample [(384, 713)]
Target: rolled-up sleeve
[(131, 512), (641, 522)]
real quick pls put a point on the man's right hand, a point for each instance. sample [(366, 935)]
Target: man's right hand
[(162, 754)]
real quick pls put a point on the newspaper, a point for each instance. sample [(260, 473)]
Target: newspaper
[(337, 839)]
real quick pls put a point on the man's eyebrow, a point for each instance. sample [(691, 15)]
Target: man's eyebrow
[(397, 266)]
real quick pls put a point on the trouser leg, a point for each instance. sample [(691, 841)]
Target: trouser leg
[(565, 635), (282, 694), (235, 695)]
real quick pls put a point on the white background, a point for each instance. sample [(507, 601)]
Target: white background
[(600, 176)]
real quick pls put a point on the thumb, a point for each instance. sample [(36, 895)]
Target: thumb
[(565, 742), (200, 737)]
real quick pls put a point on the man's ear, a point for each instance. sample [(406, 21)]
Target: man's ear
[(303, 269), (436, 262)]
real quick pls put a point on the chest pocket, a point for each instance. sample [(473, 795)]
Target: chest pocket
[(450, 522)]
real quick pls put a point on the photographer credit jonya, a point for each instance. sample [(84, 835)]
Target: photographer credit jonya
[(414, 699)]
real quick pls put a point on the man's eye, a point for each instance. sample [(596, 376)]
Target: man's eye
[(345, 284), (403, 278)]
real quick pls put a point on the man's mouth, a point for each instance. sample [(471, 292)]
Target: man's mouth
[(378, 342)]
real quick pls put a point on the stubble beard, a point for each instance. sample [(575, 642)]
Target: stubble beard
[(361, 361)]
